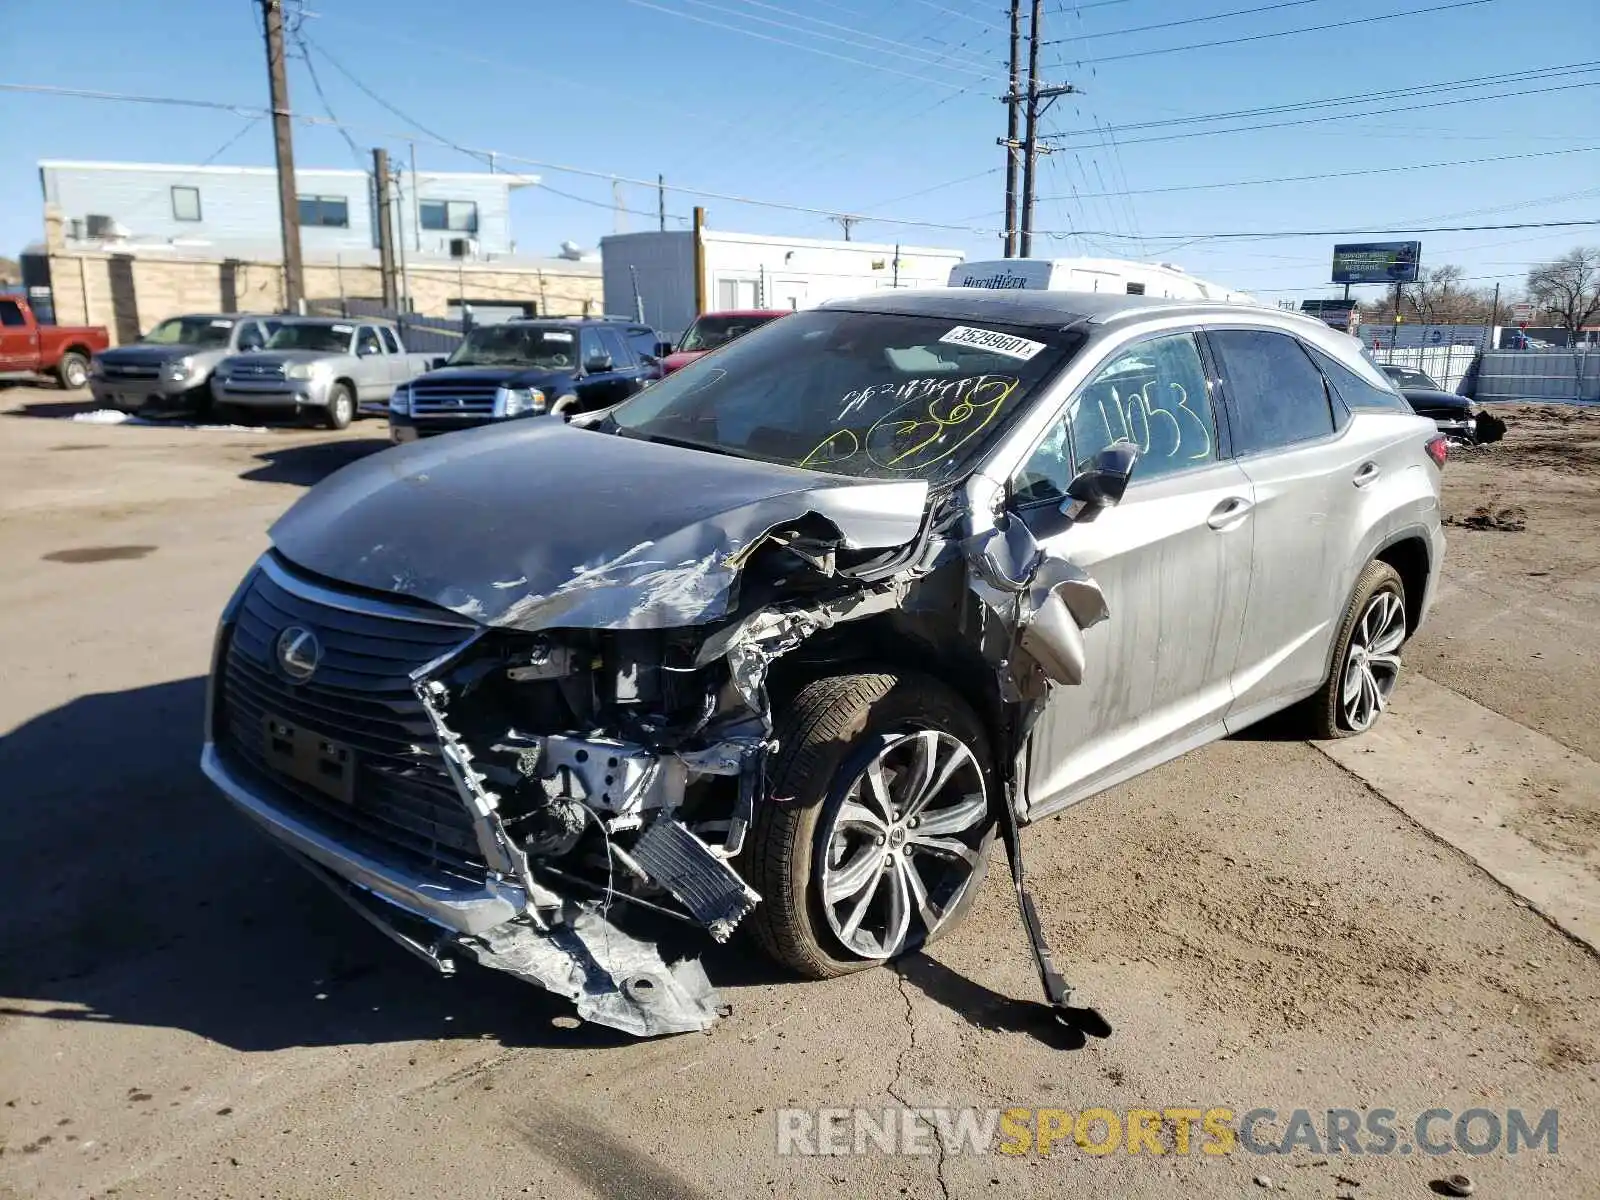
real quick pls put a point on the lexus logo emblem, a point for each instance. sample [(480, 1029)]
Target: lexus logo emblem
[(299, 652)]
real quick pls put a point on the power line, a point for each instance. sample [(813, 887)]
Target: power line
[(917, 57), (1239, 183), (1355, 116), (1261, 37), (927, 57), (1497, 79), (316, 84), (858, 62), (757, 202), (1238, 12)]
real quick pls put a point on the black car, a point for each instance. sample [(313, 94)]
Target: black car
[(525, 369), (1453, 414)]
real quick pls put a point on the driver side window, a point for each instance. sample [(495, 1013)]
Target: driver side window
[(1152, 394)]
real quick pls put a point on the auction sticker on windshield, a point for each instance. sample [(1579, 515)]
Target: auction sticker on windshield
[(997, 343)]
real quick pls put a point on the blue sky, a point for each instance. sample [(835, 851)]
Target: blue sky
[(872, 107)]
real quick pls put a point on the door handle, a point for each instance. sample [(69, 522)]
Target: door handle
[(1366, 473), (1230, 513)]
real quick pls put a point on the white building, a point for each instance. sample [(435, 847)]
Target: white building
[(656, 271), (233, 211)]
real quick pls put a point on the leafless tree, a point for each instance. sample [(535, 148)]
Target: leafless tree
[(1440, 297), (10, 272), (1568, 289)]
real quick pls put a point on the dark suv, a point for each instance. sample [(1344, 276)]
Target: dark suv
[(525, 369)]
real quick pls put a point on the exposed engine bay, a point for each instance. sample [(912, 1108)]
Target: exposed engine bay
[(609, 731)]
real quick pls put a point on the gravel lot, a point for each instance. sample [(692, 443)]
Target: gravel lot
[(1401, 922)]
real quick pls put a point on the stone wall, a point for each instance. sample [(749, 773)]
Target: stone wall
[(129, 294)]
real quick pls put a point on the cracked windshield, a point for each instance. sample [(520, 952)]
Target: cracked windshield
[(865, 394)]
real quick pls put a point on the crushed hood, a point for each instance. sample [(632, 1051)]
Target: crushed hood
[(537, 523)]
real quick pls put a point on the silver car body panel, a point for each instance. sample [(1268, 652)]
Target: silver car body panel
[(1116, 643)]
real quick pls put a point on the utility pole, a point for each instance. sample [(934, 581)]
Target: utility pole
[(699, 261), (846, 224), (380, 179), (1039, 99), (661, 206), (283, 141), (1013, 99)]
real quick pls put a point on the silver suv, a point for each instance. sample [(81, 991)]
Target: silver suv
[(782, 641)]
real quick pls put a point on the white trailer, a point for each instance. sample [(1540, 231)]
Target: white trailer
[(655, 272), (1092, 275)]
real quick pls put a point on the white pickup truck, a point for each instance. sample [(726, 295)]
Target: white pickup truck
[(329, 365)]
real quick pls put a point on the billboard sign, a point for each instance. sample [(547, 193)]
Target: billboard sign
[(1376, 262)]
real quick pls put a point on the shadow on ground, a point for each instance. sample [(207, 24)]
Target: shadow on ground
[(310, 463), (150, 902), (57, 409)]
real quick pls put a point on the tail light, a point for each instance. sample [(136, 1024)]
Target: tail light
[(1438, 449)]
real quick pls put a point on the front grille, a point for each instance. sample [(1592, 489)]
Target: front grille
[(447, 398), (253, 371), (128, 371), (402, 803)]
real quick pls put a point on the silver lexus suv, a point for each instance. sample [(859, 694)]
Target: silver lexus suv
[(778, 646)]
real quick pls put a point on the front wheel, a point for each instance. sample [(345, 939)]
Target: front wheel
[(875, 835), (72, 372), (341, 408), (1366, 660)]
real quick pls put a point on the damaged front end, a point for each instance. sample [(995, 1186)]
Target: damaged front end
[(526, 786)]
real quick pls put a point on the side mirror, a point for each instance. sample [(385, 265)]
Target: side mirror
[(663, 349), (366, 351), (438, 361), (1102, 483), (597, 364)]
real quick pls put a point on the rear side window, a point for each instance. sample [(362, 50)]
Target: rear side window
[(11, 313), (1277, 394), (390, 342), (1358, 394)]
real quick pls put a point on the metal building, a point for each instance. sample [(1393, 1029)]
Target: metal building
[(234, 210)]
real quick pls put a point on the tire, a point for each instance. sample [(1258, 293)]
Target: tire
[(1376, 614), (341, 408), (828, 737), (72, 372)]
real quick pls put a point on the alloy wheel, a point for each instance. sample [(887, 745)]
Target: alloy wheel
[(1372, 664), (904, 844), (77, 374)]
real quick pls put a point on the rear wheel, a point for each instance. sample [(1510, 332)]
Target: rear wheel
[(875, 837), (1366, 661), (72, 372), (341, 408)]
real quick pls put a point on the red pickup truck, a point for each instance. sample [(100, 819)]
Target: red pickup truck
[(29, 348)]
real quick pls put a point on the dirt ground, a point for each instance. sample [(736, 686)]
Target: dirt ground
[(1261, 924)]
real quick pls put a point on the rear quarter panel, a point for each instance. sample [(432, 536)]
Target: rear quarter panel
[(56, 340)]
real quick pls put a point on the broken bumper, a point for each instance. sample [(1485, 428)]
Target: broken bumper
[(613, 978)]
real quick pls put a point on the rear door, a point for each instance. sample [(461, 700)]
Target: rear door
[(398, 363), (1288, 438), (1173, 560), (19, 342)]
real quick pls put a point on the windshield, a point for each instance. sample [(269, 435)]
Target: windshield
[(708, 333), (517, 346), (326, 339), (190, 331), (864, 394), (1406, 377)]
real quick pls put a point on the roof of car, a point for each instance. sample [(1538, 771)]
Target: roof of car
[(292, 319), (747, 312), (607, 322), (1040, 306)]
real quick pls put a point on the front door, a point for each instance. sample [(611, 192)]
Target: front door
[(1306, 491), (19, 345), (1173, 560), (372, 366)]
